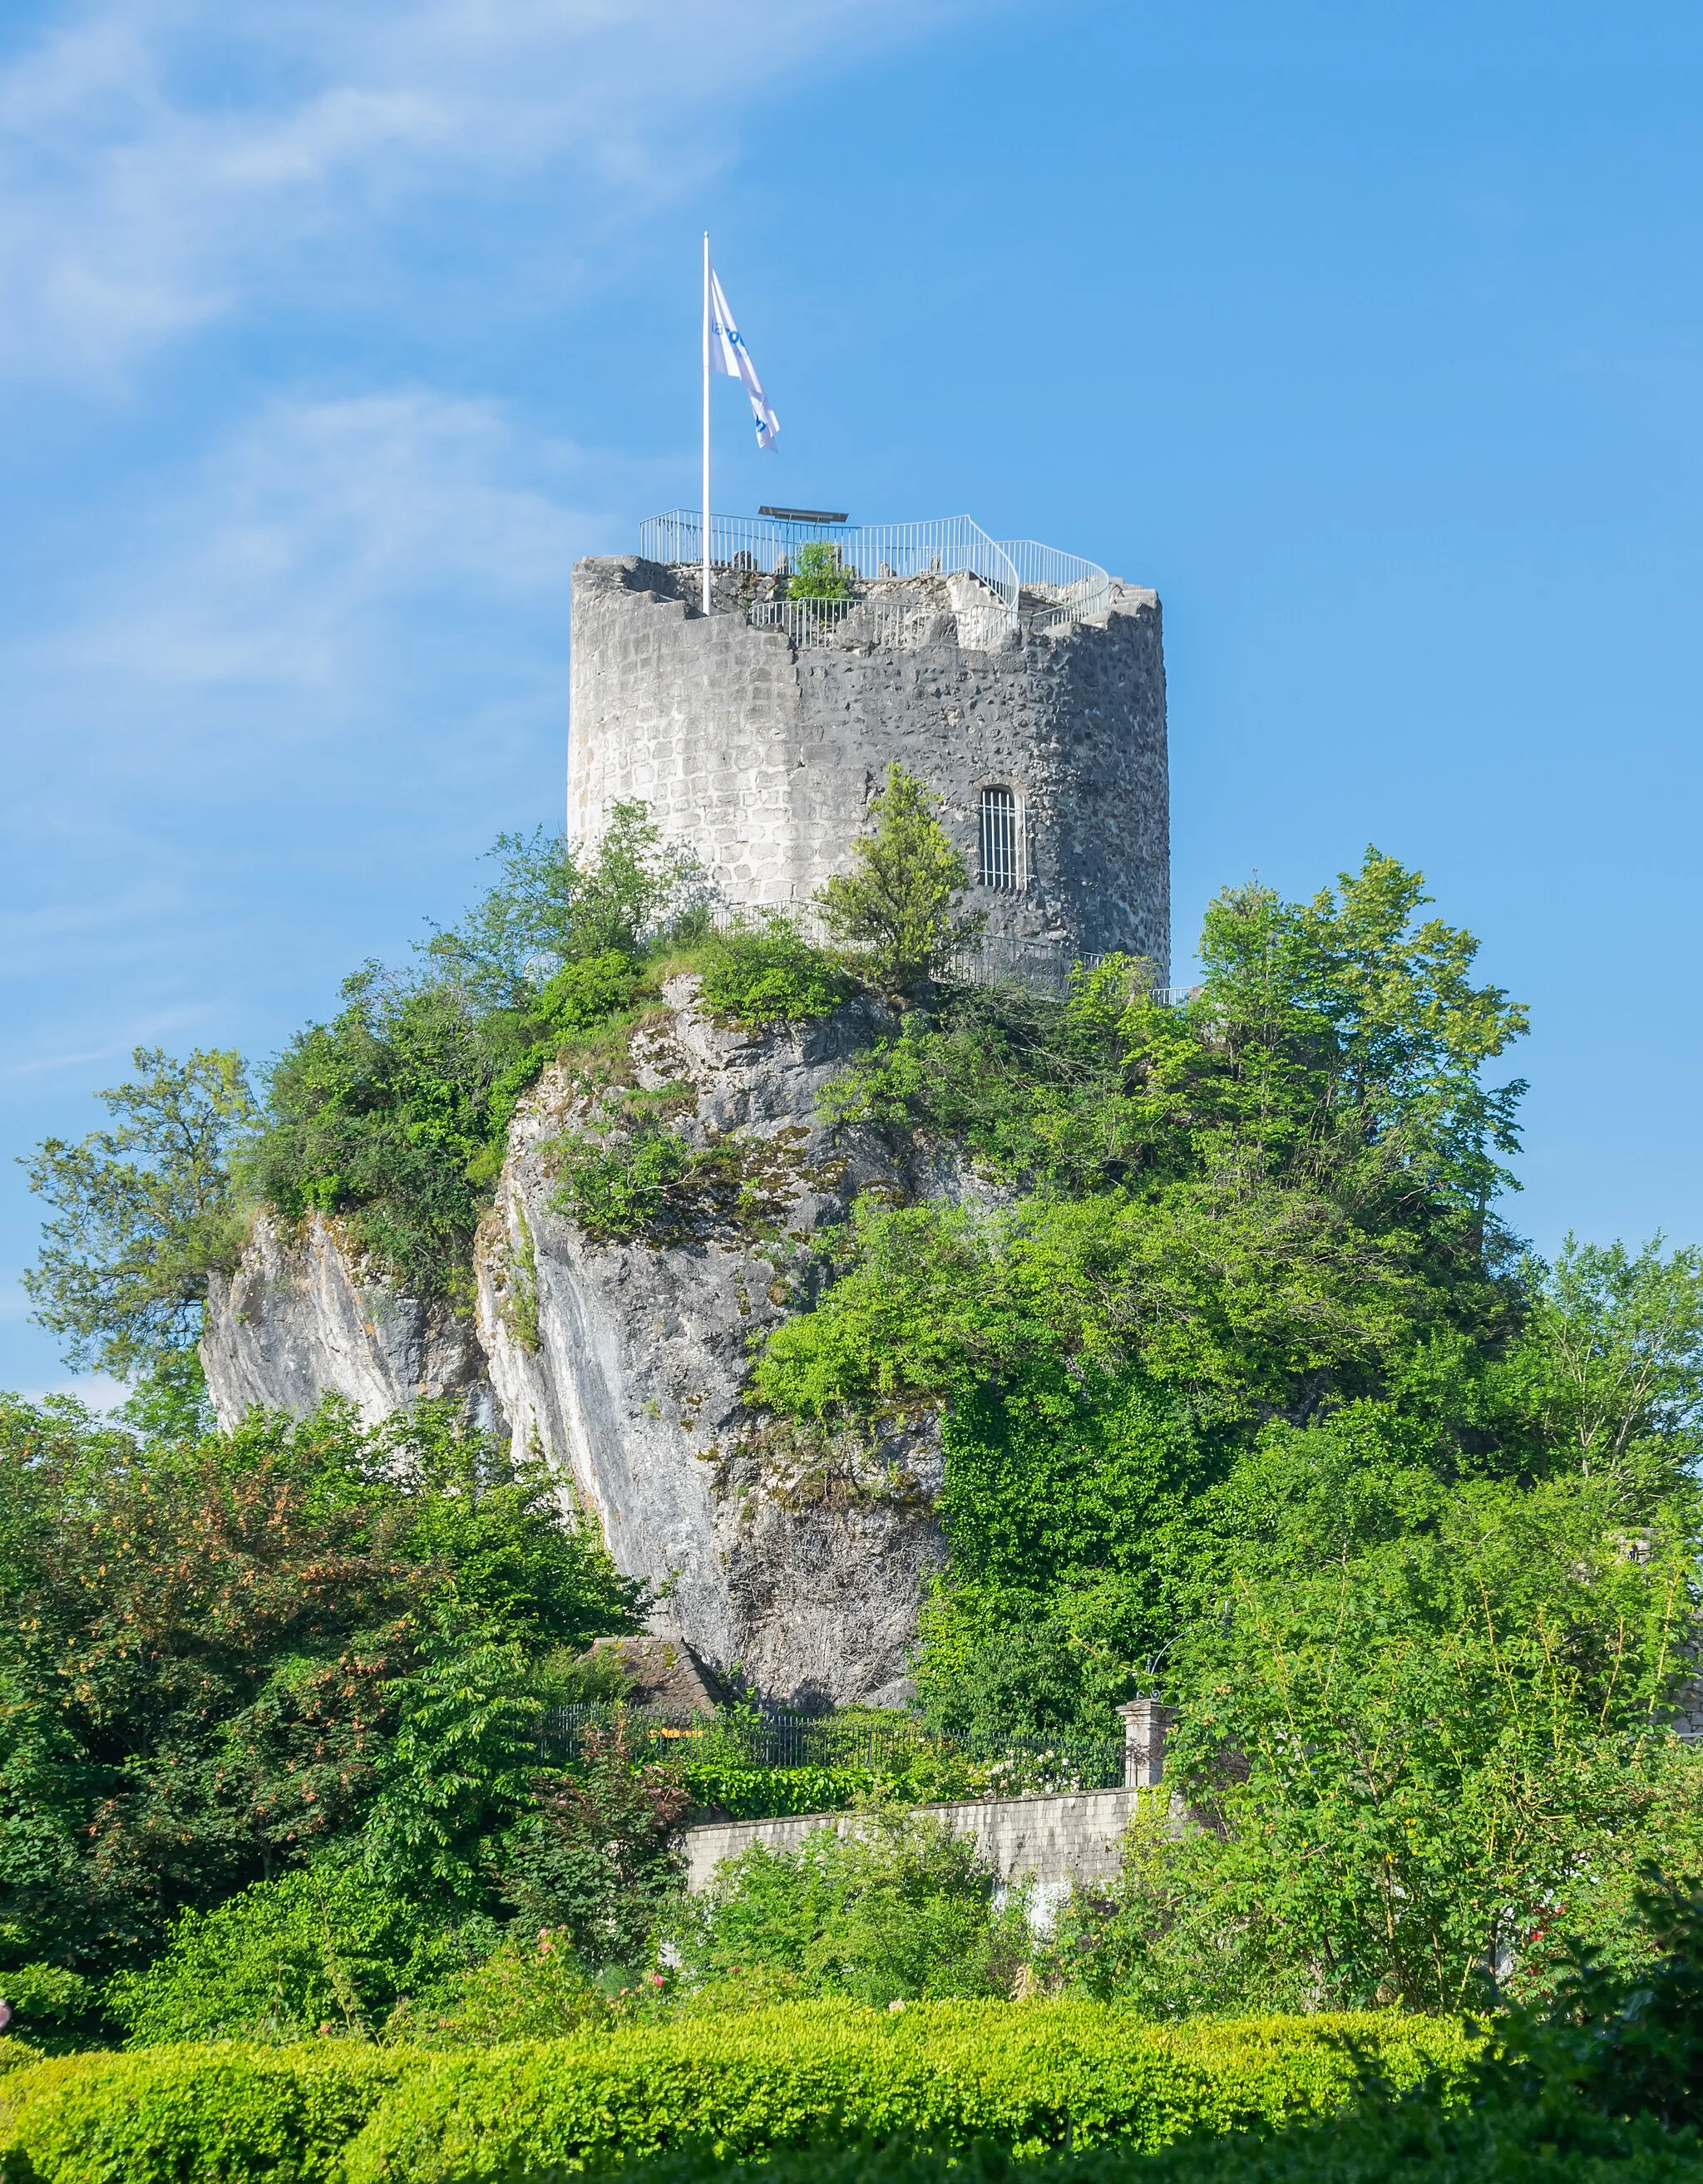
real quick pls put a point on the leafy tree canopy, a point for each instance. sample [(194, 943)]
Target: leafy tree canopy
[(222, 1656), (894, 910), (140, 1212)]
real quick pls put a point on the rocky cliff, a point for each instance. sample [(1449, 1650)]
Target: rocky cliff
[(305, 1312), (794, 1565)]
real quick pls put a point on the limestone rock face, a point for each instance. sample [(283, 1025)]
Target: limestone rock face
[(303, 1314), (792, 1565), (798, 1567)]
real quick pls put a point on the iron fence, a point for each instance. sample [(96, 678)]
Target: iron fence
[(949, 545), (893, 624), (1066, 587), (1017, 579), (760, 1739)]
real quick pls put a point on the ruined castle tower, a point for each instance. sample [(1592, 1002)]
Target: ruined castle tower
[(1025, 687)]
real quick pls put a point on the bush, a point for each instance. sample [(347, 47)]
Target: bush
[(618, 1189), (531, 1988), (600, 1855), (582, 995), (52, 2008), (894, 1909), (1439, 2148), (818, 572), (1033, 2078), (192, 2116), (765, 972), (314, 1951)]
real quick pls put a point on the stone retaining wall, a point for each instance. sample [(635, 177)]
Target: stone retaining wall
[(1054, 1841)]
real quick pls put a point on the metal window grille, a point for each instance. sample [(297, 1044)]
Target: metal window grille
[(1001, 846)]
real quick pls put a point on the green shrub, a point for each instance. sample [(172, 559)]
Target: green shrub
[(1436, 2146), (285, 1958), (759, 1793), (533, 1987), (583, 993), (893, 1909), (765, 971), (818, 572), (1033, 2077), (53, 2007), (223, 2115), (618, 1189)]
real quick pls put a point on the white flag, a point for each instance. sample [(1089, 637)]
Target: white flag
[(729, 354)]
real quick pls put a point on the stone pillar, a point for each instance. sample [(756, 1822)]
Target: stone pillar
[(1146, 1725)]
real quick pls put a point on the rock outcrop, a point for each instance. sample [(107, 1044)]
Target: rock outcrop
[(790, 1564), (305, 1312)]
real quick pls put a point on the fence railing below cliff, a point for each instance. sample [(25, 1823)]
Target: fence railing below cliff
[(762, 1739)]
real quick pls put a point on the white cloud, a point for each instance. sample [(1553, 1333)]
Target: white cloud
[(379, 573), (160, 160), (273, 563)]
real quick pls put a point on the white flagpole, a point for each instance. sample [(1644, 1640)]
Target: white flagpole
[(704, 505)]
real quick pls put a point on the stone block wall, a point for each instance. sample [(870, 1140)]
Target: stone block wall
[(763, 757), (1053, 1841)]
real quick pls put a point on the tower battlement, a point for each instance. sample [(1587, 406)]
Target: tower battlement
[(1024, 688)]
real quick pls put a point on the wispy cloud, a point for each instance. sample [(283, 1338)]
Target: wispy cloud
[(269, 563), (160, 160)]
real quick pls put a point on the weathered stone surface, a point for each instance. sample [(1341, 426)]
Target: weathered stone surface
[(303, 1314), (792, 1566), (798, 1568), (762, 758), (1054, 1841)]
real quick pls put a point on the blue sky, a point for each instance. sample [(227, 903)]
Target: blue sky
[(330, 336)]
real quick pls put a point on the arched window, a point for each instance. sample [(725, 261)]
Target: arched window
[(1001, 843)]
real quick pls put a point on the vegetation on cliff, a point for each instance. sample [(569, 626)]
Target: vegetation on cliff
[(1249, 1398)]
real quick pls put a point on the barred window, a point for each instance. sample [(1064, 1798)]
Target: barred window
[(1002, 848)]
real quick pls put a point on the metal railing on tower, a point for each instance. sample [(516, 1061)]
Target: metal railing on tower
[(1014, 582)]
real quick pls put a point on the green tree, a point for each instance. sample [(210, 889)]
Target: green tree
[(219, 1658), (555, 904), (1414, 1708), (818, 572), (142, 1214), (1607, 1375), (894, 908)]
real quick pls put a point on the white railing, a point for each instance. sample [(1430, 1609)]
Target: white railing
[(891, 623), (1070, 588), (952, 546), (1061, 588)]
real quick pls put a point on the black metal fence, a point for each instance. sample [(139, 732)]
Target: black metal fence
[(750, 1739)]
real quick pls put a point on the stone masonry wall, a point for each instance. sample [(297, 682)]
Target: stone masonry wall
[(1049, 1841), (764, 758)]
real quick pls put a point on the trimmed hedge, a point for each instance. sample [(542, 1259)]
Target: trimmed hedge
[(208, 2113), (1373, 2148), (1034, 2078)]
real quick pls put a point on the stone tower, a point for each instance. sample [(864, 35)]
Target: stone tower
[(1024, 687)]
